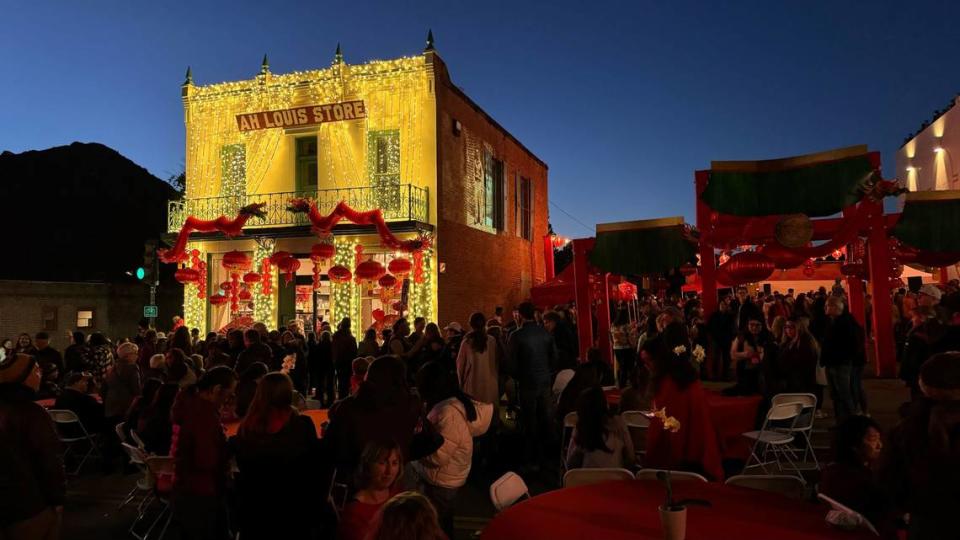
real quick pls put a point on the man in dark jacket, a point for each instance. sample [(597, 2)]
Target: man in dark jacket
[(842, 342), (745, 309), (721, 329), (532, 356), (344, 352), (49, 358), (565, 340), (75, 397), (33, 483), (254, 351)]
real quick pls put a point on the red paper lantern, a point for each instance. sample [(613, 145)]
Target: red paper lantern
[(748, 267), (339, 274), (369, 270), (387, 281), (782, 257), (226, 286), (187, 275), (279, 256), (236, 261), (322, 252), (289, 267), (400, 267), (251, 277), (244, 295), (378, 315), (218, 299)]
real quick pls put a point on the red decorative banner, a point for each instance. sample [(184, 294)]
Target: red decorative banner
[(308, 115)]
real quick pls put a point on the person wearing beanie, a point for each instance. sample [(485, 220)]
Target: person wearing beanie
[(32, 478), (919, 462)]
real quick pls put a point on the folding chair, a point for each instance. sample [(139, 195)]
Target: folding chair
[(158, 466), (852, 515), (637, 424), (584, 477), (675, 476), (569, 422), (145, 483), (137, 440), (507, 490), (118, 429), (787, 485), (71, 432), (804, 424), (337, 496), (775, 439)]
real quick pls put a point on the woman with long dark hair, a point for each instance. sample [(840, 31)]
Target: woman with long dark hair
[(478, 364), (600, 439), (458, 418), (276, 454), (181, 340), (677, 392), (796, 360), (155, 427)]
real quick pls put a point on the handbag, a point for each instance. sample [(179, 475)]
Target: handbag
[(821, 375)]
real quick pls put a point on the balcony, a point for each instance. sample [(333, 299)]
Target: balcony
[(404, 202)]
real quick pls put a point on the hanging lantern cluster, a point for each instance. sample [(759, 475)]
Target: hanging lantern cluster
[(320, 255), (266, 284), (368, 272), (235, 262), (286, 263), (418, 267), (196, 274)]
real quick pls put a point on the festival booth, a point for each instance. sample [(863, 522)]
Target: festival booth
[(760, 211)]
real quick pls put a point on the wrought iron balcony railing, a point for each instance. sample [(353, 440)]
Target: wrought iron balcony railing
[(403, 202)]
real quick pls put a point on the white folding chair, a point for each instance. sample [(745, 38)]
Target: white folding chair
[(804, 425), (569, 422), (337, 496), (772, 439), (72, 433), (583, 477), (675, 476), (851, 515), (784, 484), (118, 429), (157, 466), (637, 424), (144, 484), (507, 490), (137, 440)]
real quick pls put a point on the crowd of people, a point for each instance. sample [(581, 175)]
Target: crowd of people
[(413, 410)]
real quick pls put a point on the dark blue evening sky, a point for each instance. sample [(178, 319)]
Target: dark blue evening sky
[(622, 100)]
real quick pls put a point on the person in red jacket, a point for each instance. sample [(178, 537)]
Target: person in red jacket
[(201, 458)]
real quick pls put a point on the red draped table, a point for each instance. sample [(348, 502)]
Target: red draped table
[(319, 416), (732, 416), (628, 509)]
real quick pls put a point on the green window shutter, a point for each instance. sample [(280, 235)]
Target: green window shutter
[(306, 156)]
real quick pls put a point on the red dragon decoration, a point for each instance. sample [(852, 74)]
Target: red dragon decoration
[(323, 224), (229, 227)]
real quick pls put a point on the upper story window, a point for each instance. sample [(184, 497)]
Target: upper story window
[(524, 206), (383, 168), (306, 163), (492, 191)]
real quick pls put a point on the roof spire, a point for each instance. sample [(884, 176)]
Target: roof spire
[(429, 46), (188, 78), (338, 56), (264, 65)]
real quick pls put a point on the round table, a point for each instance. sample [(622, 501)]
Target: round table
[(319, 416), (628, 509)]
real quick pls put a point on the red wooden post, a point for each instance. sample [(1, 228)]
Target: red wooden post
[(879, 258), (855, 293), (548, 256), (581, 283), (708, 268)]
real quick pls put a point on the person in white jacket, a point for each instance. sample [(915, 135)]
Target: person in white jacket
[(459, 418)]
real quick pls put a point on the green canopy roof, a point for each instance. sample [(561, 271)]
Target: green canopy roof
[(931, 221), (815, 185), (643, 247)]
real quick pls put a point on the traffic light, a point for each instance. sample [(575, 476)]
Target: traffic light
[(147, 272)]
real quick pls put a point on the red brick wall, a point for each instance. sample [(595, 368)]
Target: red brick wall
[(483, 269)]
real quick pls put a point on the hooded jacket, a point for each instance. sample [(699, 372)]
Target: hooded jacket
[(449, 466)]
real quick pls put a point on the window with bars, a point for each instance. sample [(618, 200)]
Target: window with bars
[(524, 208), (492, 191), (383, 167)]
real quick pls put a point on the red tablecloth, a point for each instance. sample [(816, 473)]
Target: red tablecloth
[(731, 416), (628, 509), (50, 402), (319, 416)]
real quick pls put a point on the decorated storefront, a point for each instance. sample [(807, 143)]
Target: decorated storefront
[(312, 196)]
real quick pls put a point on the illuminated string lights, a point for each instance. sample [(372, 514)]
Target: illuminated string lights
[(264, 305), (194, 308), (342, 293)]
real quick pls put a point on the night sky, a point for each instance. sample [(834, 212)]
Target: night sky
[(622, 100)]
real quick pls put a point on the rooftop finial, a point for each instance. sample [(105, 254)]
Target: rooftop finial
[(429, 46), (338, 56), (265, 64), (188, 78)]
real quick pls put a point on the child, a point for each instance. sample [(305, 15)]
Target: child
[(359, 368)]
